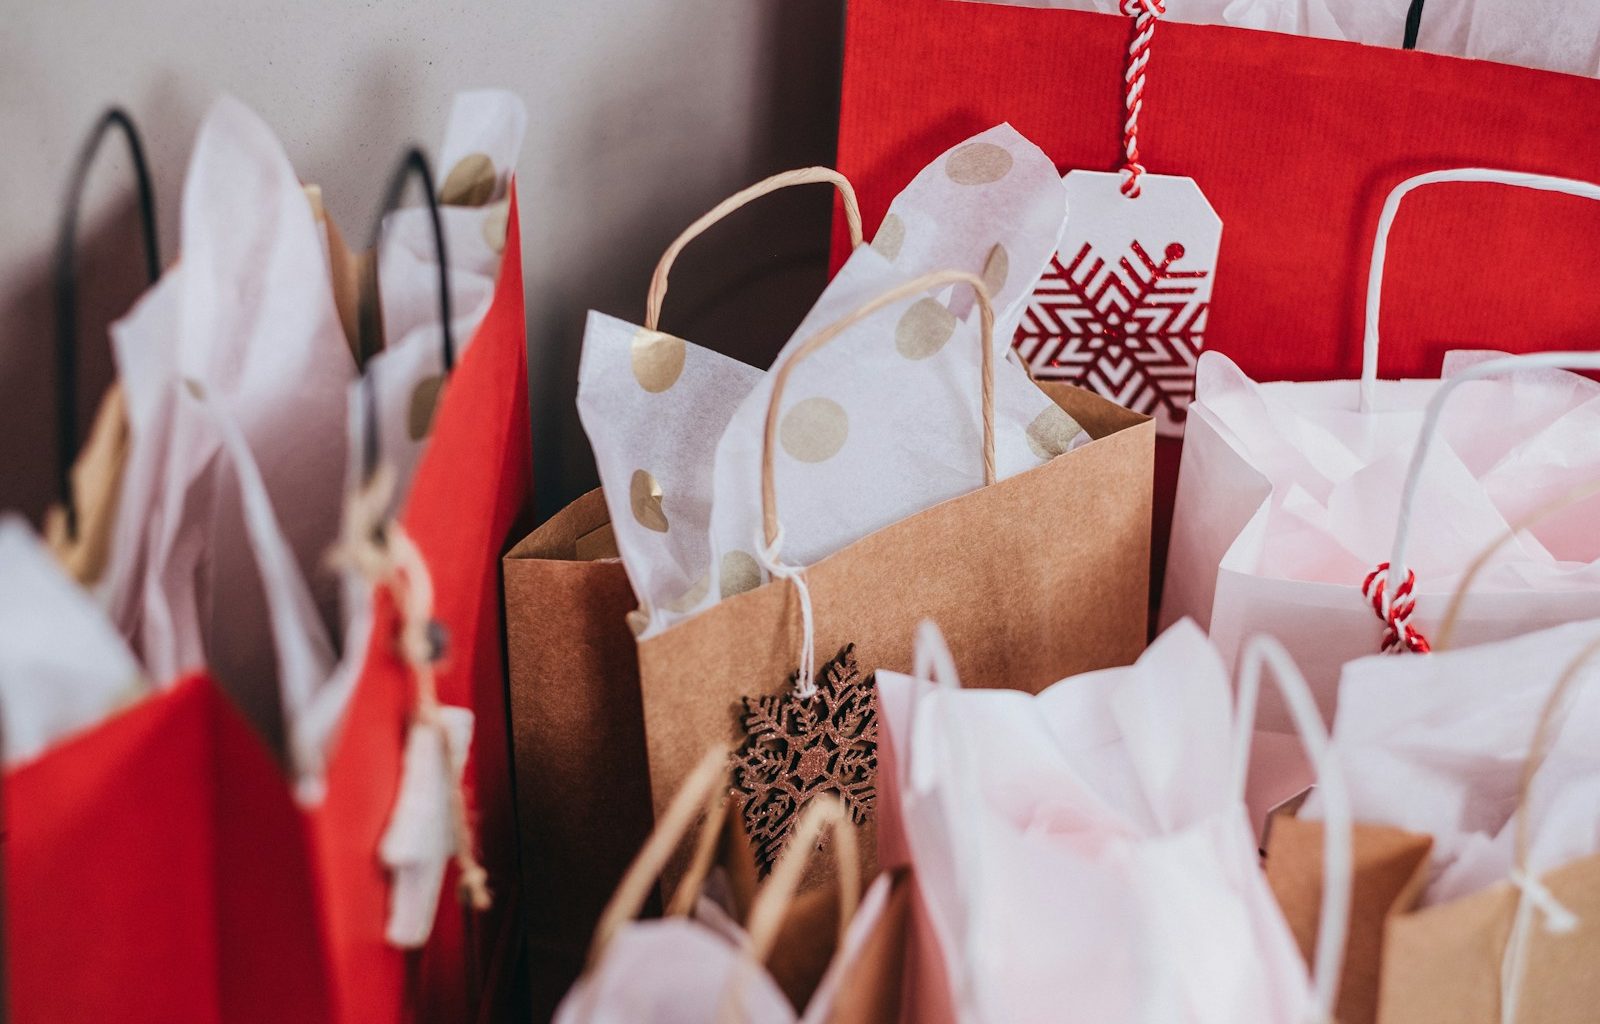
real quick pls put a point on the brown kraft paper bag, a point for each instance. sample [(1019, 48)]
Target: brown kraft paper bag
[(1039, 576), (1502, 955), (583, 788), (795, 937)]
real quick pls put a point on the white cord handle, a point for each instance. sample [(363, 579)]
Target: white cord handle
[(1380, 245), (1334, 926), (1430, 425)]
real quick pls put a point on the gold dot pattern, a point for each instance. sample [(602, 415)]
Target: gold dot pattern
[(995, 269), (424, 400), (890, 237), (657, 359), (924, 328), (978, 163), (644, 495), (1052, 432), (740, 573), (814, 429), (470, 182)]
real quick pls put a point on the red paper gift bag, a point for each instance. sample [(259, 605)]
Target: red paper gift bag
[(157, 867), (1294, 141)]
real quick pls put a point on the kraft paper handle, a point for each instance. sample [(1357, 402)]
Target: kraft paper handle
[(777, 895), (1380, 245), (803, 176), (66, 288), (412, 163), (699, 799), (1537, 747), (1333, 925), (927, 282), (1430, 426), (1452, 613)]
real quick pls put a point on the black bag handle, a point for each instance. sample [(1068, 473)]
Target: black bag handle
[(1413, 24), (413, 164), (66, 287)]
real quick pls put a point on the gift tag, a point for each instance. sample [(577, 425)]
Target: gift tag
[(1122, 309)]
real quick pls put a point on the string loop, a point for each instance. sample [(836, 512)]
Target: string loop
[(805, 681), (1399, 635), (1144, 13)]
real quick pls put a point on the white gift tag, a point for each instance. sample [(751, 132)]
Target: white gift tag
[(418, 843), (1122, 309)]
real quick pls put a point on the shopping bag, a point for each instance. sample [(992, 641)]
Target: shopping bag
[(470, 486), (1476, 874), (726, 951), (1069, 848), (1338, 516), (1031, 597), (1294, 141), (292, 898), (571, 619), (115, 865)]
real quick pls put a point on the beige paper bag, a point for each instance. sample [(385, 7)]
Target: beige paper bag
[(1521, 951), (730, 950), (1039, 576)]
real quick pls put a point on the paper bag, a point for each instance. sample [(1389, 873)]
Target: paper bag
[(1068, 847), (571, 615), (1477, 855), (1337, 516), (1040, 574), (700, 963)]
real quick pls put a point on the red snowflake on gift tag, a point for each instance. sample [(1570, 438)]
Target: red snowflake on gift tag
[(1130, 331), (798, 747)]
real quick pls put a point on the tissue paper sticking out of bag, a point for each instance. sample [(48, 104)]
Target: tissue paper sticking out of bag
[(63, 668), (1064, 844), (885, 420), (476, 162), (879, 424), (1556, 35), (1438, 745), (654, 407)]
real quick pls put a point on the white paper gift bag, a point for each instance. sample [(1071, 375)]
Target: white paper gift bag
[(1084, 855), (1292, 496)]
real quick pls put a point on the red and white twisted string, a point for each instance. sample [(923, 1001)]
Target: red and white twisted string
[(1399, 635), (1144, 14)]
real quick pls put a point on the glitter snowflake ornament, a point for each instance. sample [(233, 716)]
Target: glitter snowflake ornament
[(1122, 309), (798, 747)]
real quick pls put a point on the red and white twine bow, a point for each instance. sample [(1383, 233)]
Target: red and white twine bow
[(1399, 636), (1144, 14)]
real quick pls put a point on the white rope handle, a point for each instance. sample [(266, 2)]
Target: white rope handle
[(1380, 244), (932, 662), (1337, 859), (1430, 425)]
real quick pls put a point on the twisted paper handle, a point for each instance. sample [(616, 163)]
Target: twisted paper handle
[(386, 555), (1144, 14), (1399, 635)]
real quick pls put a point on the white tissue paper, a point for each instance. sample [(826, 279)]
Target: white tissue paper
[(879, 424), (1438, 745), (1083, 854), (63, 667), (476, 162), (679, 970), (1555, 35), (1289, 497)]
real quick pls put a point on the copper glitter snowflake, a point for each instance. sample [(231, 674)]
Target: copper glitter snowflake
[(796, 748)]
